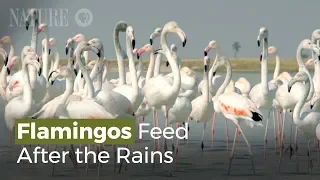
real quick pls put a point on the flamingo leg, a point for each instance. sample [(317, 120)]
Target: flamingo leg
[(279, 117), (227, 132), (172, 145), (166, 125), (154, 125), (232, 151), (310, 166), (265, 137), (204, 127), (212, 127), (249, 149), (290, 147), (274, 131), (115, 158), (296, 149), (188, 131), (281, 139), (318, 152)]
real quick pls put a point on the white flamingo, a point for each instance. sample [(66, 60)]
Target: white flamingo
[(307, 121), (158, 91), (21, 106), (132, 92), (202, 105), (237, 108), (262, 94)]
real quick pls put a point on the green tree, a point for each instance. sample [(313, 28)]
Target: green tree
[(236, 48)]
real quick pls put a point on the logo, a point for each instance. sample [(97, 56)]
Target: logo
[(84, 17)]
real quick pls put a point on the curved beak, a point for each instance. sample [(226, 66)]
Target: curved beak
[(167, 63), (151, 41), (259, 40), (95, 50), (206, 50), (133, 43), (40, 71), (67, 50), (8, 71), (260, 57), (290, 84), (49, 51), (182, 36), (28, 22), (6, 61), (140, 52)]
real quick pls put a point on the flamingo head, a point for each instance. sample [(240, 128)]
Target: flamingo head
[(33, 13), (272, 50), (301, 76), (263, 35), (212, 45), (315, 36), (5, 40), (174, 28), (218, 63), (96, 46), (156, 33), (130, 34), (307, 44), (11, 63), (121, 26), (145, 48), (69, 44), (42, 28), (4, 56), (78, 38), (314, 100)]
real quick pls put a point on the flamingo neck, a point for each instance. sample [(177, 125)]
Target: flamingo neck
[(132, 69), (173, 64), (85, 75), (301, 102), (105, 71), (264, 68), (69, 89), (211, 69), (3, 77), (150, 67), (56, 59), (140, 69), (303, 68), (277, 68), (34, 38), (45, 58), (122, 74), (70, 59), (27, 90), (205, 93), (157, 64), (226, 80)]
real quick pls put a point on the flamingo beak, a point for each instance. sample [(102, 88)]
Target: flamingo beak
[(151, 41), (67, 50), (8, 71), (205, 68), (27, 25), (49, 51), (75, 72), (133, 43), (167, 63), (258, 42)]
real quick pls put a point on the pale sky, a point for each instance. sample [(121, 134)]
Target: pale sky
[(226, 21)]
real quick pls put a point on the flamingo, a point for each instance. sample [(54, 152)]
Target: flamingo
[(112, 101), (158, 91), (243, 85), (21, 106), (262, 94), (132, 92), (5, 74), (121, 26), (156, 33), (308, 121), (305, 44), (202, 105), (7, 40), (237, 108)]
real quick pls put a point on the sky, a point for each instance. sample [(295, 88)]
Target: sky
[(226, 21)]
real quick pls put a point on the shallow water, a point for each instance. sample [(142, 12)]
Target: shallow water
[(192, 163)]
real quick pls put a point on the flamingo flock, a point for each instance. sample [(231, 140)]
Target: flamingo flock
[(42, 88)]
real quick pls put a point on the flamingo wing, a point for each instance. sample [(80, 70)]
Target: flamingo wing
[(240, 106)]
